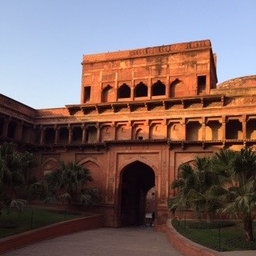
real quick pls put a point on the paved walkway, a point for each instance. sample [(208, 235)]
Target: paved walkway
[(139, 241)]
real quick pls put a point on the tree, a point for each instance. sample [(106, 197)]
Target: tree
[(68, 183), (183, 184), (225, 184), (27, 162), (193, 186), (237, 193), (15, 173)]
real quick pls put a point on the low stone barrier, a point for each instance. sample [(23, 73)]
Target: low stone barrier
[(50, 231), (186, 246)]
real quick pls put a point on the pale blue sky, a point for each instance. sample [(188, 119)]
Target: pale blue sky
[(42, 41)]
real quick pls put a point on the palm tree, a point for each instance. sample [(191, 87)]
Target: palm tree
[(193, 186), (68, 183), (11, 177), (222, 165), (27, 163), (182, 185), (237, 194)]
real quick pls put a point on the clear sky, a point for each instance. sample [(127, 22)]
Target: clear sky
[(42, 42)]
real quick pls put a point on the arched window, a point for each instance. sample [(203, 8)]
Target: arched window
[(12, 129), (158, 88), (106, 93), (175, 87), (63, 135), (49, 135), (124, 91), (91, 134), (193, 131), (106, 133), (77, 134), (234, 130), (141, 90)]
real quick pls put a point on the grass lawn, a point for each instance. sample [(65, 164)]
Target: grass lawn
[(30, 218), (222, 236)]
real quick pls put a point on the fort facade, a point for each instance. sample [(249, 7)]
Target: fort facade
[(142, 113)]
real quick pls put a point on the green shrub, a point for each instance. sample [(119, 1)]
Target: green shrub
[(210, 225), (13, 222), (218, 235)]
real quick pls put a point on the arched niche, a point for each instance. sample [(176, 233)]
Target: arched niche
[(96, 172)]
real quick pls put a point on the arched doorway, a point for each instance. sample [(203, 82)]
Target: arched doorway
[(136, 180)]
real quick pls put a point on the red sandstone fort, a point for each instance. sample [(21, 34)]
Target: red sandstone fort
[(142, 113)]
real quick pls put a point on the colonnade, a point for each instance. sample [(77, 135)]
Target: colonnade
[(183, 129)]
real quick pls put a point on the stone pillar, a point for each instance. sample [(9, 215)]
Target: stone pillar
[(42, 129), (101, 87), (129, 124), (5, 127), (244, 127), (56, 138), (116, 86), (149, 85), (70, 134), (147, 130), (223, 123), (113, 126), (132, 91), (203, 129), (83, 133), (167, 87), (184, 128), (132, 86), (98, 133), (18, 132), (165, 128)]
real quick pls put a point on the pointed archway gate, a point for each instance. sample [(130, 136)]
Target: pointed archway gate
[(136, 180)]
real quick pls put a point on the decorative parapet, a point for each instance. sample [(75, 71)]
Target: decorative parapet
[(149, 51)]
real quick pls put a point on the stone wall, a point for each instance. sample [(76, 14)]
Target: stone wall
[(51, 231)]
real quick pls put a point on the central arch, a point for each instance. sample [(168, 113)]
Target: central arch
[(136, 180)]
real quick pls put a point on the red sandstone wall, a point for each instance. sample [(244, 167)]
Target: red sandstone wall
[(51, 231), (245, 81), (180, 62), (185, 246)]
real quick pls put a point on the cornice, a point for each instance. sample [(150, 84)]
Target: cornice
[(132, 106)]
